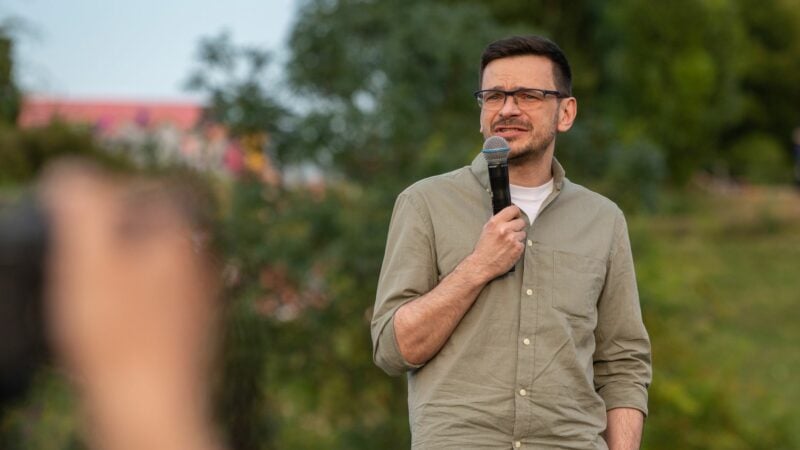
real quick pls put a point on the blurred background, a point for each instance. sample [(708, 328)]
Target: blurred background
[(308, 117)]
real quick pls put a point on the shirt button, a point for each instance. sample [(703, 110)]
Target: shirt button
[(526, 341), (530, 243), (529, 292), (523, 392), (517, 444)]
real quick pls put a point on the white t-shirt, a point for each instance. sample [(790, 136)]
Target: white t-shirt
[(530, 199)]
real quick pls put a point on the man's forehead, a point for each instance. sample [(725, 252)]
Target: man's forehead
[(518, 71)]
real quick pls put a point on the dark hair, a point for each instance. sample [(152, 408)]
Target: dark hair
[(530, 45)]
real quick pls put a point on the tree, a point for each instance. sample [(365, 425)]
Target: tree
[(391, 84), (9, 92), (769, 60), (238, 88)]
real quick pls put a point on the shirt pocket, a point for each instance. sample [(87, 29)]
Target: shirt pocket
[(578, 282)]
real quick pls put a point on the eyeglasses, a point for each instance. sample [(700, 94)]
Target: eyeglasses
[(526, 98)]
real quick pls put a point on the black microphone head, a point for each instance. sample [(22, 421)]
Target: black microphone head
[(495, 150)]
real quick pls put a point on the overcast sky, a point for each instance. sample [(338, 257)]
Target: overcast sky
[(142, 49)]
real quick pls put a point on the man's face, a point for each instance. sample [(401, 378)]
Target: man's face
[(530, 131)]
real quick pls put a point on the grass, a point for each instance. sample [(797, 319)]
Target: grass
[(720, 283)]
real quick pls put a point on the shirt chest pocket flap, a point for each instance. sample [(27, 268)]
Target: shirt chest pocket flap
[(578, 282)]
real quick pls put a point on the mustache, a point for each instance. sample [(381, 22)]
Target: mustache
[(511, 122)]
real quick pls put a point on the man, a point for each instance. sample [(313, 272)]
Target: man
[(554, 354)]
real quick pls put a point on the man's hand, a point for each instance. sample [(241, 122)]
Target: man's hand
[(499, 246)]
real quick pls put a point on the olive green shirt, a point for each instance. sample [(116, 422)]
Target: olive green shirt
[(544, 351)]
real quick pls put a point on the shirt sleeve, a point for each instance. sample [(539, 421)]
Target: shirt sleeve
[(409, 270), (622, 359)]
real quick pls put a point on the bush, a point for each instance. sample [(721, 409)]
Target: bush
[(23, 153), (636, 172), (760, 158)]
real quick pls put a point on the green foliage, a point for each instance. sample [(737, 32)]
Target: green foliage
[(46, 420), (389, 84), (770, 61), (634, 178), (240, 93), (761, 159), (298, 371), (23, 153), (9, 92), (673, 73)]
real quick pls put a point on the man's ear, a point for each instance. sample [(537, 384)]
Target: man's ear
[(567, 111)]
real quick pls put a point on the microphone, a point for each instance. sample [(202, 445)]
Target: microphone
[(495, 151)]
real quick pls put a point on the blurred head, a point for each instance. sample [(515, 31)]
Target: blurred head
[(525, 95)]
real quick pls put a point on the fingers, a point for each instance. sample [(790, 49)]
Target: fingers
[(508, 223), (511, 215), (517, 225), (503, 226), (501, 242), (508, 213)]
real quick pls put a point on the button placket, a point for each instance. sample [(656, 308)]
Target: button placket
[(528, 292)]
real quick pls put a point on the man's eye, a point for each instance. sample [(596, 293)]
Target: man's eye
[(493, 97), (528, 96)]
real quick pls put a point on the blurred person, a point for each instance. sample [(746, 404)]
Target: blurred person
[(552, 355), (130, 306), (796, 154)]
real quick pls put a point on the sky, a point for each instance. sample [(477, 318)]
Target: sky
[(132, 50)]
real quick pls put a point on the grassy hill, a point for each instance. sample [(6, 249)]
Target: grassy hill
[(720, 285)]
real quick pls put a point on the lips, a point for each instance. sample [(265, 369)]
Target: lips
[(509, 127), (509, 131)]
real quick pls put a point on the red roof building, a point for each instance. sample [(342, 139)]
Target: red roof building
[(174, 128), (108, 117)]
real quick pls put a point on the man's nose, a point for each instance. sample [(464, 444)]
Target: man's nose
[(510, 107)]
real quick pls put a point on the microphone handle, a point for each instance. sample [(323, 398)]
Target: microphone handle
[(501, 192)]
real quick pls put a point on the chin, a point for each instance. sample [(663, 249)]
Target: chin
[(519, 147), (526, 154)]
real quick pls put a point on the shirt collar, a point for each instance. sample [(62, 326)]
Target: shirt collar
[(481, 172)]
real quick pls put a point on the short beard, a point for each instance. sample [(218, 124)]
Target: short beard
[(534, 152)]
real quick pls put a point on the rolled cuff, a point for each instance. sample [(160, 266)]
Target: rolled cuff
[(624, 395), (387, 353)]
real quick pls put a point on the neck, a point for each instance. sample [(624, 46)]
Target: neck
[(533, 172)]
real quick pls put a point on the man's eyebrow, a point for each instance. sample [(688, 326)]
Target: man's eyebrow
[(500, 88)]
